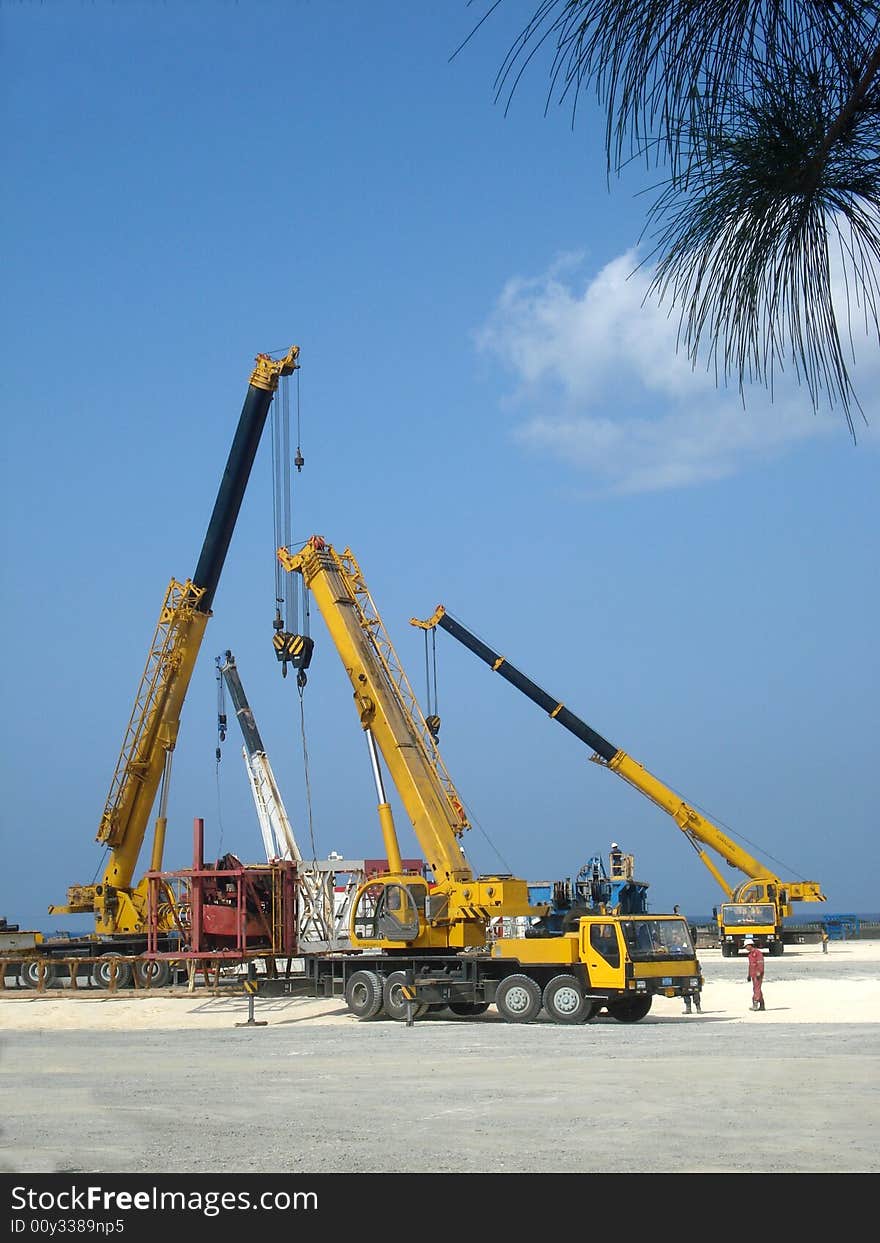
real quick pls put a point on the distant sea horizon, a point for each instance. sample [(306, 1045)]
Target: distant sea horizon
[(870, 917)]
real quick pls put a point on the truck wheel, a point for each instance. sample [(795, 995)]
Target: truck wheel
[(518, 999), (393, 1001), (363, 994), (101, 971), (727, 950), (468, 1009), (564, 1000), (776, 949), (29, 973), (152, 972), (629, 1009)]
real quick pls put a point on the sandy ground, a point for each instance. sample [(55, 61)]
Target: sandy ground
[(805, 986), (136, 1083)]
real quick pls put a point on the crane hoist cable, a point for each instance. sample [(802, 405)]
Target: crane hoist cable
[(291, 640), (221, 738), (300, 685), (432, 718), (219, 811), (298, 461), (281, 495)]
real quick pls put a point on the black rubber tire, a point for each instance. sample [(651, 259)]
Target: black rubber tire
[(468, 1009), (152, 972), (727, 950), (777, 949), (564, 1000), (518, 999), (363, 994), (629, 1010), (394, 1004), (29, 973), (100, 973)]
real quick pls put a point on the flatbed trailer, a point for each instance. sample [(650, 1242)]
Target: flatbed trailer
[(36, 961)]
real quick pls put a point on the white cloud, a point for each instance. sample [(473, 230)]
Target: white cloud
[(603, 387)]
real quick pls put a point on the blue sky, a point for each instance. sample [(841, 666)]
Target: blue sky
[(490, 417)]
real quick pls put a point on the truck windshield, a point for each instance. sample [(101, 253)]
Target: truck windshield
[(657, 938), (738, 914)]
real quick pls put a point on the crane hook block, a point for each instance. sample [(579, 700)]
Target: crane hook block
[(293, 649)]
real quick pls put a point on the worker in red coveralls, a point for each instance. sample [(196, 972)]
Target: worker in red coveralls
[(756, 973)]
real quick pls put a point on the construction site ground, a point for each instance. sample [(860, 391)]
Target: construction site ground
[(181, 1081)]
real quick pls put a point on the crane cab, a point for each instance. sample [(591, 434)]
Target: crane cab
[(389, 911)]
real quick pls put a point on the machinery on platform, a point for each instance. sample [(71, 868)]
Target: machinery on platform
[(595, 889), (419, 942), (758, 906)]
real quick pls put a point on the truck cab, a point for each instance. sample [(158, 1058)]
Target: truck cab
[(620, 962), (758, 920)]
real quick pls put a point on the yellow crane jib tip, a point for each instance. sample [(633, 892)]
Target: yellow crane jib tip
[(269, 371), (431, 622), (296, 560)]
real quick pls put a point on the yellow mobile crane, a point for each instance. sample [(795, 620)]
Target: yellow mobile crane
[(460, 903), (429, 941), (118, 904), (757, 906)]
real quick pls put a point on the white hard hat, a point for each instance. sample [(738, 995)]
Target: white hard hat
[(749, 941), (614, 846)]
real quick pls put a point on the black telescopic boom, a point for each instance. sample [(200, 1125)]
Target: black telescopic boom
[(229, 497), (550, 705)]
